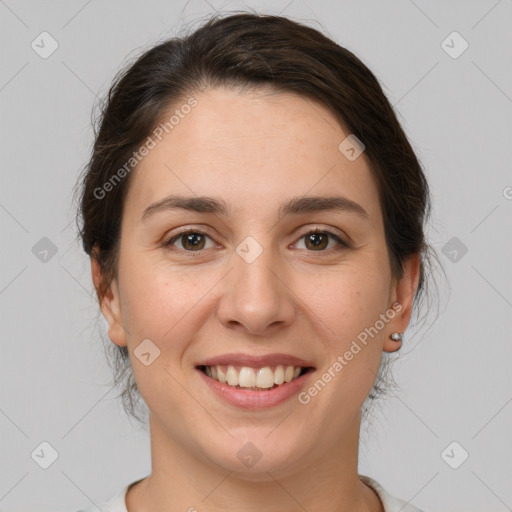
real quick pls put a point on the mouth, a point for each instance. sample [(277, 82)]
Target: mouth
[(250, 378)]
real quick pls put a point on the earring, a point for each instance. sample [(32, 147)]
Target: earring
[(396, 336)]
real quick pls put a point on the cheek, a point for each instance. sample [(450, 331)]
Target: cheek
[(347, 306), (164, 308), (347, 300), (163, 304)]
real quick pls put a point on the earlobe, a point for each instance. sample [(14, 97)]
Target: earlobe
[(403, 296), (110, 305)]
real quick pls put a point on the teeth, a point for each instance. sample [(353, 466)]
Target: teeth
[(264, 378), (221, 376), (279, 375), (247, 377), (232, 376)]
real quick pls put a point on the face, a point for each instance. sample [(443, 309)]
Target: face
[(250, 285)]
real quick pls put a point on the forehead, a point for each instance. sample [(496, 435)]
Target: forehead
[(253, 148)]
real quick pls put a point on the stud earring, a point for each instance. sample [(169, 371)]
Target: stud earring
[(396, 336)]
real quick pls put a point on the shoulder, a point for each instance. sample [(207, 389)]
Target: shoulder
[(390, 503)]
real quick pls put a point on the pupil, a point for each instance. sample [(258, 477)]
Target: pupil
[(317, 243), (192, 239)]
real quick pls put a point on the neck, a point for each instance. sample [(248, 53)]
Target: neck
[(180, 480)]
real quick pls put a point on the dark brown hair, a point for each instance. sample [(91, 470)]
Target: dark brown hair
[(246, 51)]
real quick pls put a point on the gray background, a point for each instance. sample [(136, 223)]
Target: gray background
[(455, 377)]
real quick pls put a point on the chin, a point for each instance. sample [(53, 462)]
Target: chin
[(255, 454)]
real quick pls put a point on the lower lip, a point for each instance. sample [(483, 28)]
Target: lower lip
[(250, 399)]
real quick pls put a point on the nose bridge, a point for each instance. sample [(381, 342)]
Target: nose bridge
[(256, 295), (253, 265)]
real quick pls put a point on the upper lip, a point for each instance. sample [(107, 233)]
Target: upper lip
[(255, 361)]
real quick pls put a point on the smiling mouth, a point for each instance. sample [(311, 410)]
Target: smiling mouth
[(254, 379)]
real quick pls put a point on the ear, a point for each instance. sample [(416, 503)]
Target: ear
[(402, 296), (110, 305)]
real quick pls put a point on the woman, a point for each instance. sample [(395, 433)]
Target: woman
[(254, 214)]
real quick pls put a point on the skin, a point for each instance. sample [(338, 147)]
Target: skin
[(253, 150)]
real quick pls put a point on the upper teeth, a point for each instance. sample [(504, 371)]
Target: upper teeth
[(248, 377)]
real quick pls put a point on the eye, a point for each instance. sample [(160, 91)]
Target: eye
[(191, 240), (318, 239)]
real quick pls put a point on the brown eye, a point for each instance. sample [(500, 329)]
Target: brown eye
[(191, 241), (318, 240)]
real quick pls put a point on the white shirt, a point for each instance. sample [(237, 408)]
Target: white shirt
[(390, 503)]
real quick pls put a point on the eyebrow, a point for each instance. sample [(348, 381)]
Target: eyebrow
[(297, 205)]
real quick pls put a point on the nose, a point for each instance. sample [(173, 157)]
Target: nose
[(256, 297)]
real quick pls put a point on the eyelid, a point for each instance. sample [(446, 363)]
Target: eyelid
[(176, 236), (336, 232)]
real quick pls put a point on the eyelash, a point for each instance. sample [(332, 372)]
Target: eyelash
[(337, 238)]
